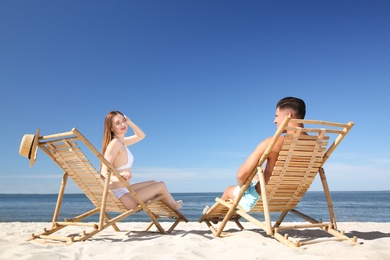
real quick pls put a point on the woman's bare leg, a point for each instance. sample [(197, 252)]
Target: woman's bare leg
[(128, 200), (140, 185), (147, 192)]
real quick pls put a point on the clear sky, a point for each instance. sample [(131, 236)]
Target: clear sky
[(201, 78)]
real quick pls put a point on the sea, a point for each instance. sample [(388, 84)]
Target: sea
[(349, 206)]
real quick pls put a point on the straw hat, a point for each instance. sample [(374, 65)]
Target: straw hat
[(29, 146)]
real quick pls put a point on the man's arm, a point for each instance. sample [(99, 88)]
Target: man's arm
[(251, 162)]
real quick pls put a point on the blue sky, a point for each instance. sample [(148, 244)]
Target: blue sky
[(201, 78)]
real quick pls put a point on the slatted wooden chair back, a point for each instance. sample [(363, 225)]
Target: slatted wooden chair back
[(66, 151), (304, 151)]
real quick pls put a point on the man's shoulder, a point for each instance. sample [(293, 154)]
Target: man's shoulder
[(269, 139)]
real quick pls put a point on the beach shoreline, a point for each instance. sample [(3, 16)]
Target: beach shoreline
[(193, 240)]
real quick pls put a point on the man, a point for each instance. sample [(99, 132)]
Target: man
[(288, 106)]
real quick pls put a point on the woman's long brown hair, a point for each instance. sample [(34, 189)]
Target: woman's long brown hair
[(108, 135)]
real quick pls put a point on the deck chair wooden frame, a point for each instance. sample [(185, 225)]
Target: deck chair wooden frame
[(301, 158), (65, 150)]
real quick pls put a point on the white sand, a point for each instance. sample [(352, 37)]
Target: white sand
[(193, 241)]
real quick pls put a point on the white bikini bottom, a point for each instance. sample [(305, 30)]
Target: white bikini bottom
[(120, 192)]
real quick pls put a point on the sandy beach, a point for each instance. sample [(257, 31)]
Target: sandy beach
[(193, 240)]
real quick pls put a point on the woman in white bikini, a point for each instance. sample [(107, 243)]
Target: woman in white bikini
[(114, 150)]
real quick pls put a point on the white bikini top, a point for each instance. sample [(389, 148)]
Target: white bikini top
[(130, 160)]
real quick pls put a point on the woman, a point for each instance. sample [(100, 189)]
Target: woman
[(114, 150)]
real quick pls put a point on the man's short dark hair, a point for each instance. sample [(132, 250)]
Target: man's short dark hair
[(295, 104)]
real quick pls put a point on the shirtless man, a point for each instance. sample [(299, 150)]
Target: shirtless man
[(288, 106)]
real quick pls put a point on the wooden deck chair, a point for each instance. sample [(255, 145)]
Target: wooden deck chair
[(301, 158), (65, 150)]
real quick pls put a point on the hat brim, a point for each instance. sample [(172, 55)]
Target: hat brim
[(34, 148)]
